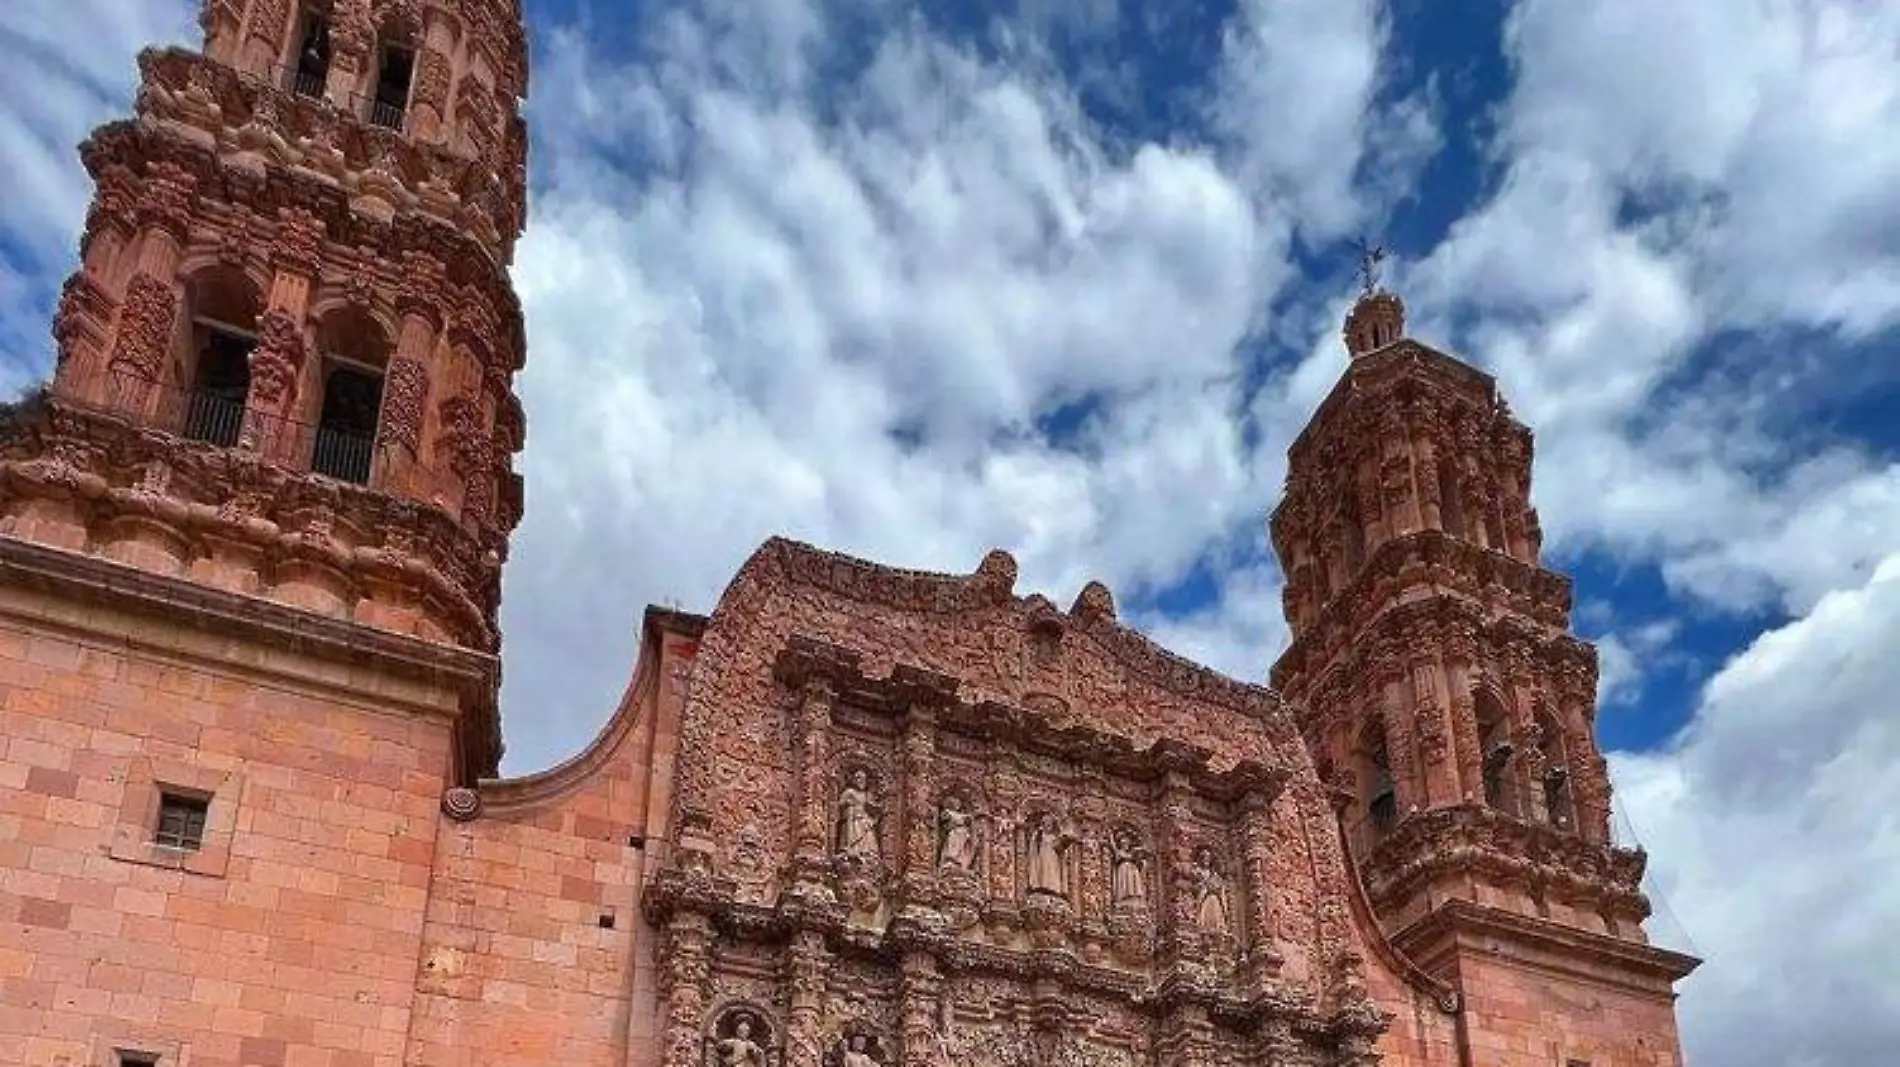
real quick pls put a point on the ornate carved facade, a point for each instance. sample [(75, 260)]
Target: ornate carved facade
[(251, 538)]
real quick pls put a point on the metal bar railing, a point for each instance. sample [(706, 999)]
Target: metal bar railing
[(303, 81), (217, 418)]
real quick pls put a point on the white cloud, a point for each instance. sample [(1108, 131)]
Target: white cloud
[(69, 67), (844, 311), (1770, 824)]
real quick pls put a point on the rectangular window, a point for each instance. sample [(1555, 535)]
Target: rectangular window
[(181, 821), (137, 1059)]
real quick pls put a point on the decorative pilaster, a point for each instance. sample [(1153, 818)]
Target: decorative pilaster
[(685, 971), (1175, 871), (920, 807), (1006, 797), (920, 987), (807, 962), (1256, 850), (811, 737)]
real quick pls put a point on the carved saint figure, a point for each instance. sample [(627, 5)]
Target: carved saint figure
[(1210, 893), (1048, 841), (957, 846), (739, 1050), (857, 818), (1126, 884), (857, 1053)]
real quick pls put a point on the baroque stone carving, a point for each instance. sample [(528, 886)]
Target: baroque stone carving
[(858, 812), (740, 1038), (957, 847)]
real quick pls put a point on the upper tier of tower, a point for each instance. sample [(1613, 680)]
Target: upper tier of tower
[(286, 361), (409, 105), (1409, 440)]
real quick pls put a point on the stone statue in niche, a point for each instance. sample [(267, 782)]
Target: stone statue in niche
[(1128, 885), (1049, 843), (857, 818), (956, 847), (740, 1039), (858, 1053), (1210, 893)]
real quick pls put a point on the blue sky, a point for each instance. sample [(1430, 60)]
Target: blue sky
[(1066, 277)]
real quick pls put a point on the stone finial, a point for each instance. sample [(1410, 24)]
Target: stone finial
[(998, 568), (1094, 602), (1376, 320)]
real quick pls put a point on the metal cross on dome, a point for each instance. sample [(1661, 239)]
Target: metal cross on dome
[(1370, 256)]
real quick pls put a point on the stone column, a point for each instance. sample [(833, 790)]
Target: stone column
[(685, 974), (266, 38), (147, 323), (919, 853), (1461, 653), (1428, 710), (1256, 850), (807, 963), (921, 984), (435, 73), (281, 372), (1174, 913), (811, 739), (1006, 797)]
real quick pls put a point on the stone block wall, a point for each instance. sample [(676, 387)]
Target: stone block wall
[(291, 937), (534, 948)]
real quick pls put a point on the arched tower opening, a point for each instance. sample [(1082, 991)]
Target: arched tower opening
[(1496, 753), (214, 367), (354, 352)]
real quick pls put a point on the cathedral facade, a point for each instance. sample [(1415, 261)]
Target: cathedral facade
[(251, 538)]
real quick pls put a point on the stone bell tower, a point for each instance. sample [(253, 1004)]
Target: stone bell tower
[(285, 363), (1445, 699)]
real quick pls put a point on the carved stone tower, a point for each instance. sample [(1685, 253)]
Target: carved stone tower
[(1447, 703), (285, 363)]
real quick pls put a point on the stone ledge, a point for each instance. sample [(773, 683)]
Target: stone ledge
[(1459, 928), (191, 612)]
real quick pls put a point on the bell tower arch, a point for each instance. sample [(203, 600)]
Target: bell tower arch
[(1442, 693), (286, 360)]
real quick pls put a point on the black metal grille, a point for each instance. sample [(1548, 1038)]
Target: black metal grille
[(214, 419), (181, 821), (342, 455), (305, 81)]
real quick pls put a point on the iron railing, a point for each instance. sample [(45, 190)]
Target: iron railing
[(342, 455), (388, 116), (301, 82), (216, 418)]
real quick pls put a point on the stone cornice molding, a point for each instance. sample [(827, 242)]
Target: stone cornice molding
[(1475, 839), (1053, 731), (1476, 929), (60, 449), (992, 585), (190, 606)]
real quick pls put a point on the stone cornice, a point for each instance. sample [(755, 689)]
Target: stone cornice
[(673, 892), (1054, 731), (1477, 840), (244, 113), (992, 585), (1455, 577), (1460, 927), (54, 448), (184, 605)]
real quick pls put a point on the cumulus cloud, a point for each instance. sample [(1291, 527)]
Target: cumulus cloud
[(913, 309), (69, 67), (1769, 823)]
